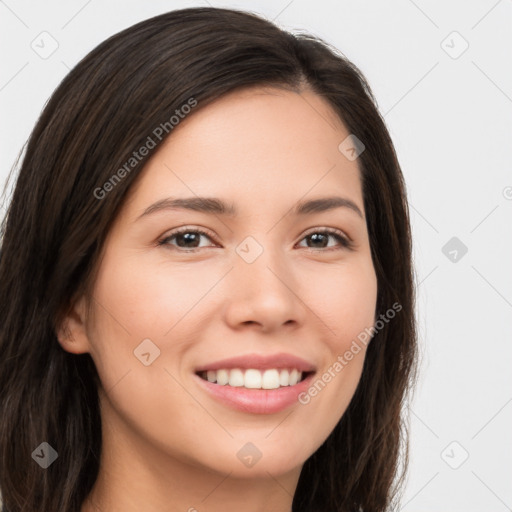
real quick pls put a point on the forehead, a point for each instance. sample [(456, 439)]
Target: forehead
[(256, 147)]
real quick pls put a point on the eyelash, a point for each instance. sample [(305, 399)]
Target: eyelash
[(343, 240)]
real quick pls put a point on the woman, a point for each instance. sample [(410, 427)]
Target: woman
[(262, 370)]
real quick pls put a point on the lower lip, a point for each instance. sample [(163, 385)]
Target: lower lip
[(256, 401)]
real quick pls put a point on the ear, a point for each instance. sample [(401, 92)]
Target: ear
[(71, 331)]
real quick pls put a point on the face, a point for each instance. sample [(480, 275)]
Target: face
[(278, 286)]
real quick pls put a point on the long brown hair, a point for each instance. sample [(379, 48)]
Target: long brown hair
[(55, 228)]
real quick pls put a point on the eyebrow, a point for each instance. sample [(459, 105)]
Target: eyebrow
[(216, 206)]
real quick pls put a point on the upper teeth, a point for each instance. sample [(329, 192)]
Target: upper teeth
[(254, 379)]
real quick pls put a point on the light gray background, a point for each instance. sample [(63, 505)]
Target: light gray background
[(449, 114)]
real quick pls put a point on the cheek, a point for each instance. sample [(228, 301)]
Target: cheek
[(129, 310), (345, 299), (347, 308), (142, 301), (135, 302)]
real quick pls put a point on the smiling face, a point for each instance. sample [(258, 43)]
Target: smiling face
[(264, 280)]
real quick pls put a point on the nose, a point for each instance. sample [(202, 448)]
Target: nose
[(264, 293)]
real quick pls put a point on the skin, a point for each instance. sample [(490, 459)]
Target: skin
[(167, 443)]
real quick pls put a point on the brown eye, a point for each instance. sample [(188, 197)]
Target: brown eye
[(186, 238), (189, 239), (320, 239)]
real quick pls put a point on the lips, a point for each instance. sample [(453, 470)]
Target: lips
[(256, 401), (260, 362), (234, 383)]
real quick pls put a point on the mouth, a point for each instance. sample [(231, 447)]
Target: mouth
[(253, 378), (256, 383), (255, 391)]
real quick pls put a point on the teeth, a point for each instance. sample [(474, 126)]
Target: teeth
[(270, 379), (222, 377), (236, 378), (254, 379)]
